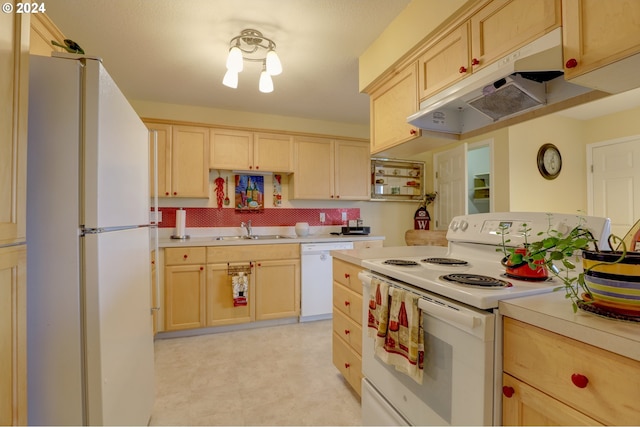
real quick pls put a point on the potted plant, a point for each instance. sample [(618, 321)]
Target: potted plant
[(557, 253)]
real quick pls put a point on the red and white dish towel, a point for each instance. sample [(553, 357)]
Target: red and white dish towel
[(395, 323)]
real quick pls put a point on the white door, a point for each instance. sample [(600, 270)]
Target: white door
[(451, 184), (615, 188)]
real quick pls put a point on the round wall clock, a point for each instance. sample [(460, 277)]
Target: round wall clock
[(549, 161)]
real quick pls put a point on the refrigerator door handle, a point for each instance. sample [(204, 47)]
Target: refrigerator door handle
[(86, 230)]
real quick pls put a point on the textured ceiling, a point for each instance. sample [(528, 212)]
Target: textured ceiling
[(174, 51)]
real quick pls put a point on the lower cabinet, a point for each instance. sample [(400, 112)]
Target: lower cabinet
[(199, 292), (347, 322), (550, 379), (13, 335)]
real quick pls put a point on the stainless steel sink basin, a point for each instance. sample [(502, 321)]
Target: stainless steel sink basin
[(254, 237)]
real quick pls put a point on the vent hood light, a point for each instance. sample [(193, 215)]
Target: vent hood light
[(528, 79)]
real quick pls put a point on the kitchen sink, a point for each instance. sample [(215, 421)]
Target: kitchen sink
[(254, 237)]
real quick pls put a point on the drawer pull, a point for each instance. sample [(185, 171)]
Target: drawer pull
[(579, 380), (508, 391), (347, 303), (462, 70), (201, 268), (347, 332), (571, 63), (185, 256), (346, 365), (347, 275), (475, 61)]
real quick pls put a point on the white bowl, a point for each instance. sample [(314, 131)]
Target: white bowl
[(302, 229)]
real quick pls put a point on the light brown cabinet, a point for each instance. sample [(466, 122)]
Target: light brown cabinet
[(199, 292), (184, 287), (183, 160), (13, 335), (330, 169), (391, 103), (599, 34), (549, 378), (347, 322), (14, 85), (242, 150)]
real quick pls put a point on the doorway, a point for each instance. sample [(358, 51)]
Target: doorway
[(479, 179)]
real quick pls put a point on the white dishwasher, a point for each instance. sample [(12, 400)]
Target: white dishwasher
[(317, 279)]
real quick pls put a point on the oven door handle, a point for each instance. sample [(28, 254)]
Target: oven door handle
[(449, 314)]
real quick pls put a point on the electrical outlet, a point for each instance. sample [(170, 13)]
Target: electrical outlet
[(344, 216), (323, 217)]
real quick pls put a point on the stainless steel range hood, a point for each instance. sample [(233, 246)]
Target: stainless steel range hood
[(528, 79)]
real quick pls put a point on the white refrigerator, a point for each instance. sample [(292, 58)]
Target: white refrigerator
[(89, 332)]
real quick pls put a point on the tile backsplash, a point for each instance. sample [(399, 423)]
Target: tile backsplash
[(269, 217)]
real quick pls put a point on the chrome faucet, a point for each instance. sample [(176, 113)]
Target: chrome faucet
[(247, 226)]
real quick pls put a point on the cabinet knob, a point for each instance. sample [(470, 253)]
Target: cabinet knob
[(332, 196), (259, 264), (571, 63), (347, 365), (347, 332), (201, 268), (175, 193), (475, 61), (153, 262), (257, 167), (462, 70), (338, 196), (185, 256), (347, 303), (579, 380), (508, 391), (413, 131), (347, 275), (166, 193), (250, 167)]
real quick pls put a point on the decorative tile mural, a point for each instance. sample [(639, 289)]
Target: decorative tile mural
[(269, 217)]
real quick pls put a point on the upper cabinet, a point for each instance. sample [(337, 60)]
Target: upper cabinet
[(391, 103), (14, 84), (328, 169), (242, 150), (183, 160), (601, 43), (503, 26)]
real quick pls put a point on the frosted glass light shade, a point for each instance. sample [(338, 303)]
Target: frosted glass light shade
[(234, 60), (266, 84), (274, 67), (230, 79)]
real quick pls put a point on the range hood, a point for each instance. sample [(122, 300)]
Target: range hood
[(528, 79)]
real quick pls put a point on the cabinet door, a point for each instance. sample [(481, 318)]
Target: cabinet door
[(348, 362), (13, 328), (163, 162), (523, 405), (314, 168), (231, 149), (220, 309), (352, 170), (190, 161), (598, 33), (272, 152), (277, 289), (391, 104), (505, 25), (184, 287), (14, 85), (444, 63)]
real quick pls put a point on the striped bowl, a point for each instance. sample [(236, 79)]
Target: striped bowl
[(614, 287)]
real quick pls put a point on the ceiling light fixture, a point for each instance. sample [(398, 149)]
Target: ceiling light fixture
[(251, 45)]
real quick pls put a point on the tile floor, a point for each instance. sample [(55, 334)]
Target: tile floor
[(279, 375)]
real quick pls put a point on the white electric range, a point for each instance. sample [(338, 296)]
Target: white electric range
[(461, 323)]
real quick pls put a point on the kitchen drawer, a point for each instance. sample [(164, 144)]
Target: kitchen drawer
[(347, 274), (249, 252), (347, 301), (348, 362), (348, 330), (185, 255), (547, 361)]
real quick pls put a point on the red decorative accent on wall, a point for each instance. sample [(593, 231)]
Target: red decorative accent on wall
[(276, 217)]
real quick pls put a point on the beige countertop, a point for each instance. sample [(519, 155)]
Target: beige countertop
[(167, 242), (355, 256), (554, 313)]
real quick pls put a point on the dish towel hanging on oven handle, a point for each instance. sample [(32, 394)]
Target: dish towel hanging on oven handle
[(395, 323)]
